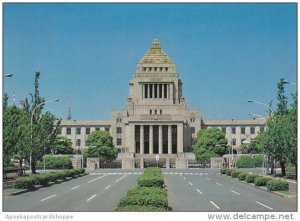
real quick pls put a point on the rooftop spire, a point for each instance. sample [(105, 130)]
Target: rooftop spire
[(155, 43)]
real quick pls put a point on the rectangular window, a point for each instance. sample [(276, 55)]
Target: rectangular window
[(78, 130), (119, 130), (160, 90), (146, 90), (97, 128), (233, 142), (252, 130), (150, 111), (243, 130), (155, 111), (192, 120), (165, 90), (107, 129), (192, 130), (87, 130), (78, 142), (68, 130), (119, 141), (233, 131), (224, 130), (160, 111), (150, 90)]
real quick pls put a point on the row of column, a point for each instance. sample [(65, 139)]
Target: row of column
[(159, 91), (160, 139)]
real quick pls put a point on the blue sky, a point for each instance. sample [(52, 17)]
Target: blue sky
[(225, 54)]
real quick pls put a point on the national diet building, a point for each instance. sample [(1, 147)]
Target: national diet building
[(156, 124)]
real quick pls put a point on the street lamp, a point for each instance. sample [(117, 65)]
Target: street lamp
[(8, 75), (31, 122), (258, 115), (288, 82)]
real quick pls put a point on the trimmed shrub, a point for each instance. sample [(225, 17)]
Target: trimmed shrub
[(155, 200), (53, 176), (257, 160), (153, 170), (150, 181), (24, 183), (223, 170), (62, 175), (251, 177), (145, 191), (131, 208), (261, 181), (58, 162), (242, 176), (274, 185), (235, 173), (245, 162), (41, 179), (228, 172)]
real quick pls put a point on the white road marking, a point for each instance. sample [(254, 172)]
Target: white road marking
[(175, 173), (235, 192), (107, 187), (191, 173), (109, 173), (264, 205), (74, 187), (171, 173), (215, 205), (184, 178), (135, 173), (91, 197), (201, 174), (180, 174), (117, 180), (97, 178), (190, 183), (130, 173), (207, 178), (114, 173), (48, 197), (206, 173), (219, 184), (199, 191), (196, 173)]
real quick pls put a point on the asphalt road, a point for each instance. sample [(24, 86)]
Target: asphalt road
[(207, 191), (98, 192)]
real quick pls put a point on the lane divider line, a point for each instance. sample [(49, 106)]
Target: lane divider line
[(235, 192), (91, 197), (107, 187), (48, 197), (219, 184), (97, 178), (199, 191), (264, 205), (122, 177), (184, 178), (215, 205), (74, 187), (190, 183)]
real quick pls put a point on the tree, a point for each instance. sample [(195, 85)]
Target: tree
[(100, 144), (62, 145), (250, 148), (209, 143)]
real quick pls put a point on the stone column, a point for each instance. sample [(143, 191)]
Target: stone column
[(83, 136), (64, 131), (131, 138), (179, 138), (160, 140), (73, 137), (142, 139), (151, 139), (169, 139), (171, 93)]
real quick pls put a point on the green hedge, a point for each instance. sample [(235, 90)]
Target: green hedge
[(274, 185), (58, 162), (245, 162), (242, 176), (228, 172), (251, 177), (261, 181), (44, 178), (223, 170), (149, 195), (257, 160), (235, 173)]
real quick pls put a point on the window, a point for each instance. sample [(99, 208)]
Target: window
[(160, 90), (119, 120), (150, 111), (59, 130), (252, 130), (155, 111), (243, 130), (107, 129), (165, 90), (160, 111), (119, 141), (68, 130), (119, 130), (88, 130), (192, 130), (155, 90), (78, 142), (144, 69), (97, 128), (192, 120), (78, 130), (233, 142), (146, 90), (224, 130), (233, 130)]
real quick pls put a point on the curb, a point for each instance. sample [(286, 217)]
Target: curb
[(262, 188)]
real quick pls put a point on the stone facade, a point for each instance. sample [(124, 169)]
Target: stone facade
[(156, 120)]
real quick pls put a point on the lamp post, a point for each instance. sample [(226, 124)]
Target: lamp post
[(31, 136), (288, 82)]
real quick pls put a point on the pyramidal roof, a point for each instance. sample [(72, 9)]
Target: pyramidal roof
[(156, 55)]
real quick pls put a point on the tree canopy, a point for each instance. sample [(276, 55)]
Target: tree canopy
[(209, 143), (100, 144), (62, 145)]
